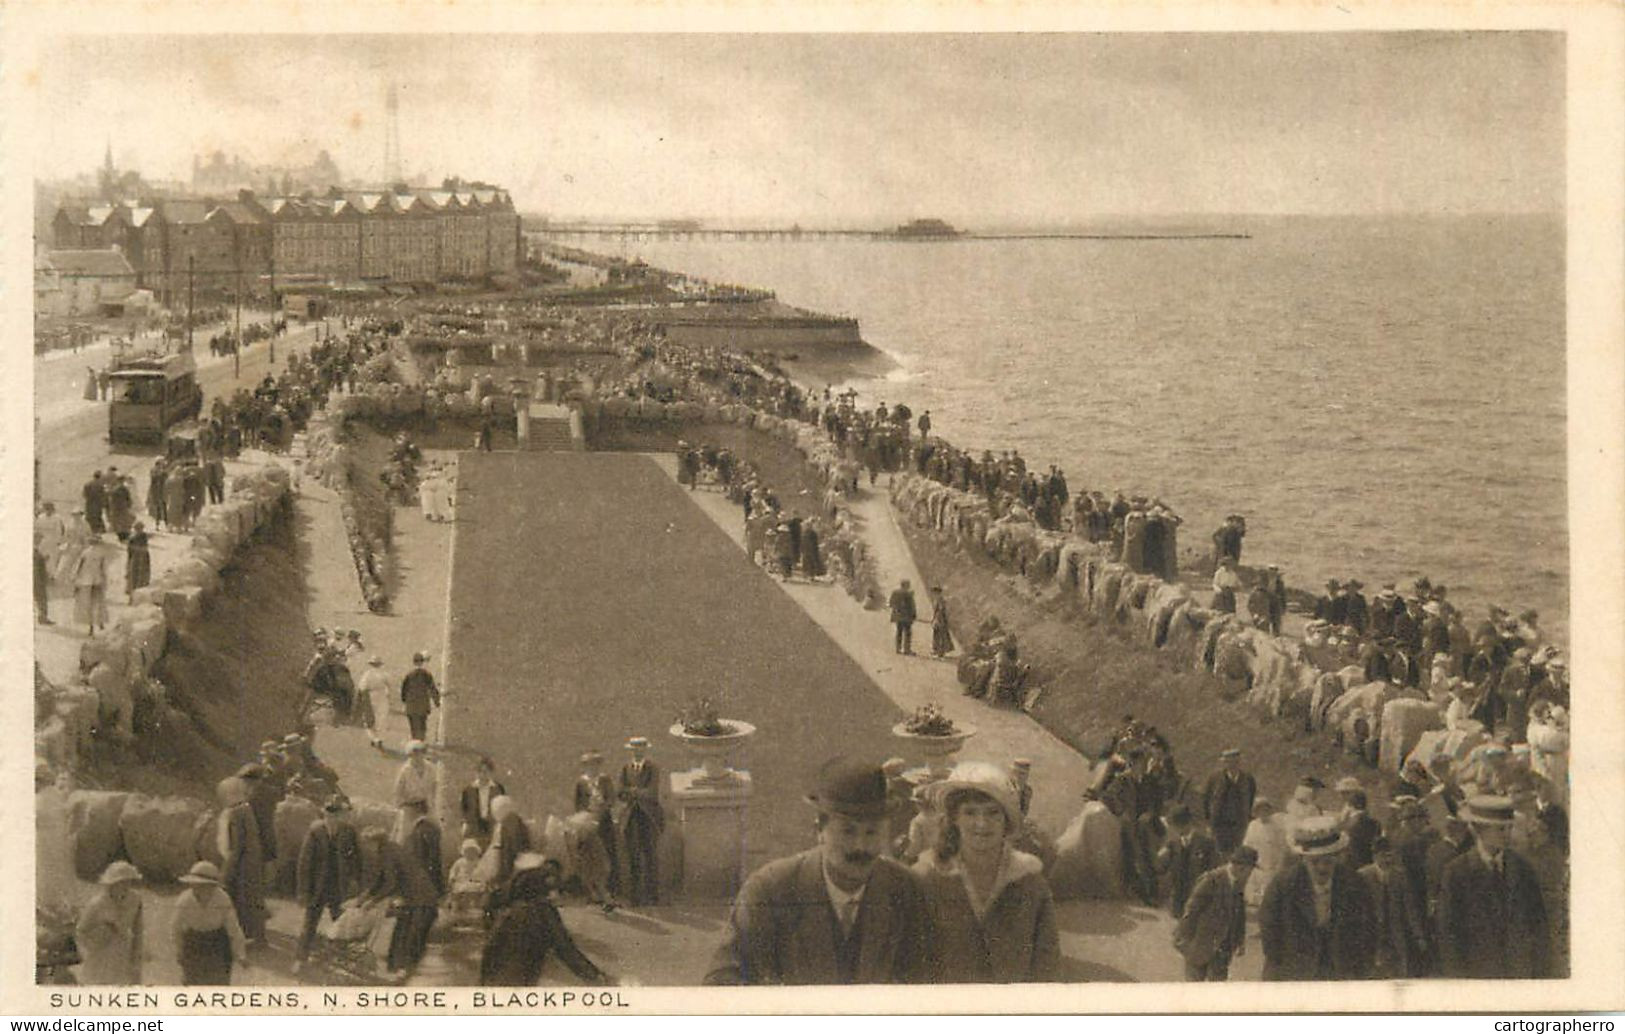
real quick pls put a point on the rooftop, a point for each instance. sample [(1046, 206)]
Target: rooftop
[(108, 262)]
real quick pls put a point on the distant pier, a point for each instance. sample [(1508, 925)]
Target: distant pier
[(687, 231)]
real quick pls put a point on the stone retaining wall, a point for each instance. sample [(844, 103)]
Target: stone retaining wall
[(114, 679), (164, 836), (1380, 720)]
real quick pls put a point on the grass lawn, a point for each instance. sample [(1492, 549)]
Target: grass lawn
[(591, 600)]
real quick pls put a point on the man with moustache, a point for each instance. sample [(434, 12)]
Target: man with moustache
[(840, 913)]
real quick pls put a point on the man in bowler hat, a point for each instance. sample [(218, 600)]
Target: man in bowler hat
[(420, 695), (839, 913)]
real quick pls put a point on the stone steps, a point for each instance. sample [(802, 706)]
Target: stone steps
[(551, 436)]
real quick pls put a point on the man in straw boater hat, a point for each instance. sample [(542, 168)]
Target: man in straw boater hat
[(1492, 918), (839, 913), (1316, 920), (640, 793)]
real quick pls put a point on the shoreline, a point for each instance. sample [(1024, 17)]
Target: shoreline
[(843, 371)]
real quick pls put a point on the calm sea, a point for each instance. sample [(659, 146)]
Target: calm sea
[(1382, 398)]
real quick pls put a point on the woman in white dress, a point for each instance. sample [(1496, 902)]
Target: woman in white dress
[(52, 530), (1266, 834), (429, 494), (74, 538), (448, 494), (1303, 804)]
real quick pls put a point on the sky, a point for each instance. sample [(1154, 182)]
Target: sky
[(827, 130)]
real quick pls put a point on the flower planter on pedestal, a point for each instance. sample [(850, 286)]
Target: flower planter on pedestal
[(714, 752), (937, 751), (712, 804)]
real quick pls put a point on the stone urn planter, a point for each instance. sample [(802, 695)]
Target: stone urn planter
[(937, 751), (714, 752)]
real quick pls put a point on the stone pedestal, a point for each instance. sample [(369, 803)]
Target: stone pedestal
[(711, 826), (522, 413), (578, 437)]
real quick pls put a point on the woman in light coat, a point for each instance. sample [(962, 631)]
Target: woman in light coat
[(108, 933), (991, 911), (90, 577)]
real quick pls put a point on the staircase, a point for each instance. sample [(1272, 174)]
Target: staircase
[(551, 436), (550, 429)]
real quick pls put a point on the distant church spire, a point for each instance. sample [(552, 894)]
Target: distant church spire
[(108, 175)]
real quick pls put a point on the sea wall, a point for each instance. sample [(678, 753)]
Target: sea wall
[(775, 336), (114, 690)]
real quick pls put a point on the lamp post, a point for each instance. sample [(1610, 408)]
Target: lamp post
[(237, 345)]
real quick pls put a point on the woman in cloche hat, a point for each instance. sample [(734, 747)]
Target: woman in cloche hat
[(205, 932), (108, 933), (991, 908)]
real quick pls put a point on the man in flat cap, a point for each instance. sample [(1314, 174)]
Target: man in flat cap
[(1227, 801), (839, 913), (329, 871), (1316, 920), (1492, 918), (1213, 927)]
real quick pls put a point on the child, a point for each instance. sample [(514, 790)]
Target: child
[(468, 893)]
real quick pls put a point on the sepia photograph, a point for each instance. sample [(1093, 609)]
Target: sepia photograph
[(620, 511)]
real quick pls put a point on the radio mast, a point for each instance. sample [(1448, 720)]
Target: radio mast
[(392, 135)]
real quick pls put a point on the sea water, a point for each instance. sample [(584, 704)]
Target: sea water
[(1381, 397)]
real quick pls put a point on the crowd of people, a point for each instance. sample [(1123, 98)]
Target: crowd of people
[(936, 882), (1334, 895), (81, 551)]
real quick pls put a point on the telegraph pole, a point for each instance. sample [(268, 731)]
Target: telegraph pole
[(191, 274)]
